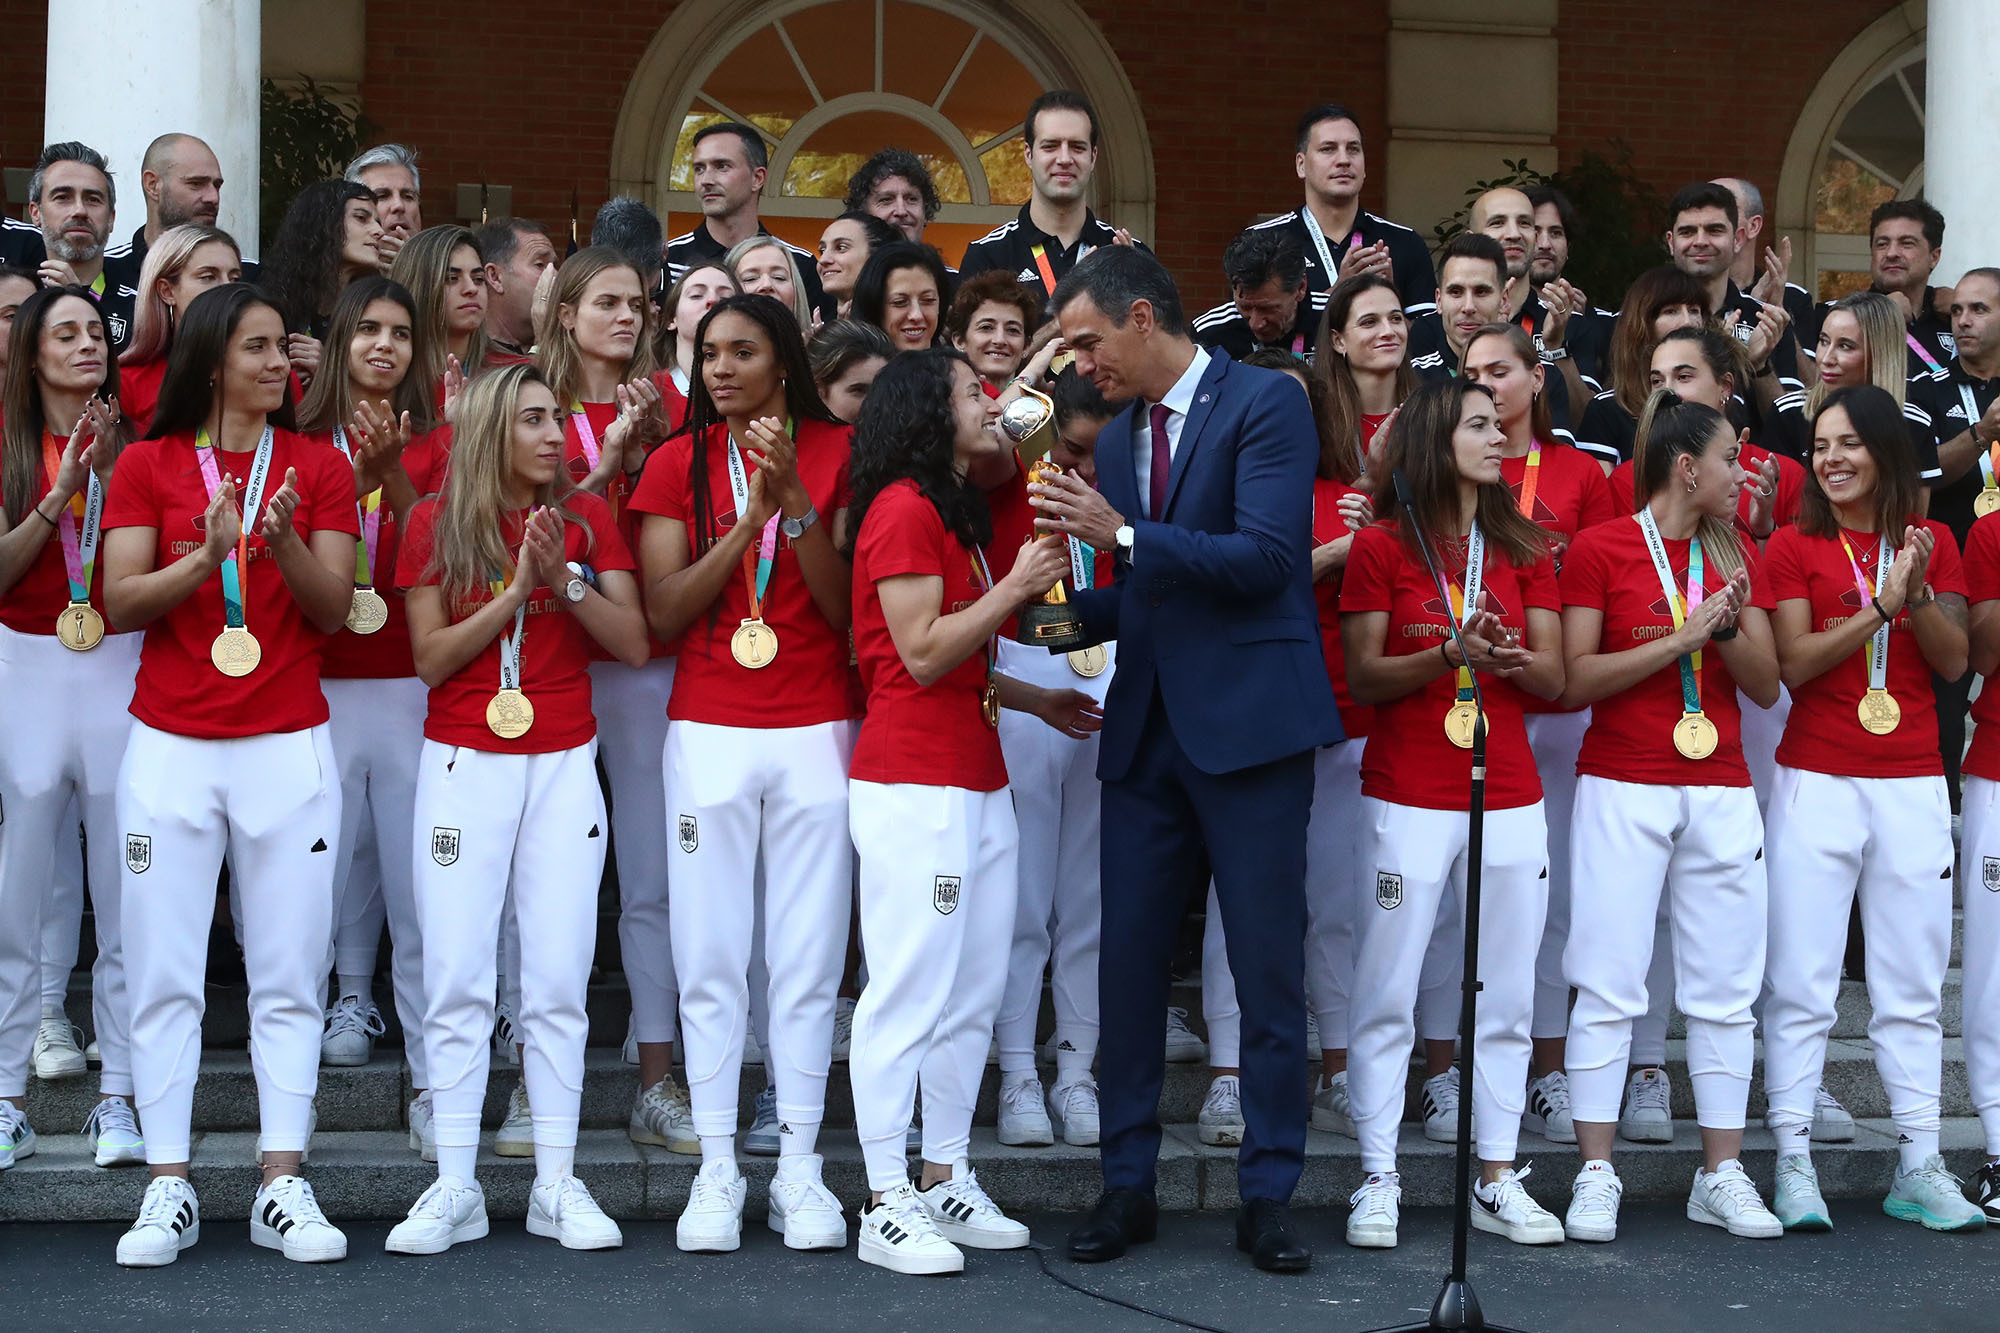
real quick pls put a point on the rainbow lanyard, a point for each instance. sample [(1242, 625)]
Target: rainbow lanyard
[(758, 583), (236, 565), (1681, 608), (1463, 604), (1922, 355), (510, 643), (586, 438), (369, 511), (1878, 642), (80, 552)]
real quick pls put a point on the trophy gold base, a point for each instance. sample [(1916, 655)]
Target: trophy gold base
[(1052, 625)]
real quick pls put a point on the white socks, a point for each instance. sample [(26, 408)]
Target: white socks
[(552, 1164), (718, 1148), (359, 987)]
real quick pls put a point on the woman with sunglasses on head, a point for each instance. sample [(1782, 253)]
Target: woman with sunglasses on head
[(742, 511), (1403, 660), (230, 755), (1866, 599), (503, 628), (185, 262), (64, 685)]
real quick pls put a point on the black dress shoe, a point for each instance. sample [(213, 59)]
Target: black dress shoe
[(1264, 1232), (1123, 1217)]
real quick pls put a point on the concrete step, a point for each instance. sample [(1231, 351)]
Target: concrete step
[(375, 1175)]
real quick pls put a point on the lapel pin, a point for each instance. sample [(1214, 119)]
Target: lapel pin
[(1204, 398)]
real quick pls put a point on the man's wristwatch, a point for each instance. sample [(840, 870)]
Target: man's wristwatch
[(1123, 537), (795, 528)]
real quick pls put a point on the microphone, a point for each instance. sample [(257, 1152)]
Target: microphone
[(1402, 485)]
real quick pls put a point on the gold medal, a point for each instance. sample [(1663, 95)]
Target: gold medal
[(509, 715), (235, 651), (1459, 721), (1091, 661), (1986, 501), (79, 628), (367, 612), (1879, 712), (989, 704), (754, 644), (1695, 736)]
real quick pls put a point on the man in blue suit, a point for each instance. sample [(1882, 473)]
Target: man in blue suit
[(1221, 697)]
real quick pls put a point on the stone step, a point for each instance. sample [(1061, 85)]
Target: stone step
[(360, 1175), (372, 1096)]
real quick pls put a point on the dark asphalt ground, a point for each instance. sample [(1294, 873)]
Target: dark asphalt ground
[(1663, 1275)]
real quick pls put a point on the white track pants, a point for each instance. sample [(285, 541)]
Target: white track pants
[(1699, 848), (1763, 728), (1889, 839), (62, 926), (63, 728), (378, 739), (938, 887), (1556, 739), (1979, 888), (731, 793), (1411, 861), (483, 820), (1059, 919), (1649, 1030), (271, 804), (631, 709)]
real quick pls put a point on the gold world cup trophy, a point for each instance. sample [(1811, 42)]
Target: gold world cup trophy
[(1030, 423)]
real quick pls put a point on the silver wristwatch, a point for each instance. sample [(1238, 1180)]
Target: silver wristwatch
[(795, 528)]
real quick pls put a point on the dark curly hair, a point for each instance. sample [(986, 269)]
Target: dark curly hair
[(892, 162), (301, 270), (907, 430)]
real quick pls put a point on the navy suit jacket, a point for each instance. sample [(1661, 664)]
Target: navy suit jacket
[(1215, 607)]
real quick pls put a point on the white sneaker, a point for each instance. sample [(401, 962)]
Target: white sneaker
[(712, 1222), (1313, 1048), (762, 1140), (423, 1127), (628, 1053), (58, 1047), (352, 1025), (965, 1216), (1440, 1103), (1648, 1116), (1374, 1211), (1593, 1204), (113, 1132), (1024, 1120), (661, 1117), (803, 1210), (1795, 1198), (1934, 1198), (1073, 1109), (506, 1039), (843, 1027), (900, 1235), (450, 1211), (1548, 1112), (17, 1136), (92, 1056), (516, 1136), (1183, 1047), (1221, 1121), (286, 1217), (1725, 1198), (169, 1222), (564, 1212), (1831, 1123), (1332, 1108), (1505, 1209)]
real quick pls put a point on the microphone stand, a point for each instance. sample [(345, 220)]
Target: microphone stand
[(1457, 1305)]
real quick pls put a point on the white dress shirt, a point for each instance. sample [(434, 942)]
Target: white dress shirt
[(1177, 402)]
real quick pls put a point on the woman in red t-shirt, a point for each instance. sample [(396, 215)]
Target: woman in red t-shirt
[(846, 356), (1563, 489), (64, 684), (742, 509), (445, 274), (502, 627), (1979, 861), (185, 262), (931, 815), (229, 755), (1364, 357), (1866, 601), (1415, 784), (365, 403), (693, 295), (1657, 639)]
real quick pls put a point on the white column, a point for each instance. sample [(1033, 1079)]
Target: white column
[(1961, 125), (121, 73)]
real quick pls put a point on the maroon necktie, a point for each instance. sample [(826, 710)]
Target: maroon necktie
[(1163, 461)]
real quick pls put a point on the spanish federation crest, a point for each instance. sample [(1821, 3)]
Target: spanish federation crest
[(444, 845), (690, 834), (944, 894), (138, 853), (1388, 890), (1989, 874)]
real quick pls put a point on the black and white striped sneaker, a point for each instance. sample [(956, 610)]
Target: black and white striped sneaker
[(285, 1216), (899, 1235), (966, 1216), (169, 1222)]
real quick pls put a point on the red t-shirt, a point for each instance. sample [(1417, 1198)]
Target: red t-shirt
[(600, 416), (675, 402), (385, 654), (40, 594), (1329, 526), (1631, 733), (812, 679), (1824, 734), (1982, 581), (555, 647), (935, 735), (1570, 496), (1791, 485), (1014, 527), (1371, 426), (139, 391), (158, 485), (1409, 760)]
